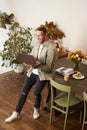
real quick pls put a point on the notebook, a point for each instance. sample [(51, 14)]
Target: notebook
[(65, 71), (28, 59)]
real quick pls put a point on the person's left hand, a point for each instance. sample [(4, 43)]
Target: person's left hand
[(27, 66)]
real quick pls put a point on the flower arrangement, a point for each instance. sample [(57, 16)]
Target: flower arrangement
[(76, 56)]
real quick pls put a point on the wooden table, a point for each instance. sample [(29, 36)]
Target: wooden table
[(78, 85)]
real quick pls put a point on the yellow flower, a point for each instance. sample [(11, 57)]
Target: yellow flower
[(79, 58), (76, 56)]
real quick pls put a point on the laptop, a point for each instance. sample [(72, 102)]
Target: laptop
[(28, 59)]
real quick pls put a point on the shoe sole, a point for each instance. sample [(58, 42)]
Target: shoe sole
[(36, 118), (18, 118)]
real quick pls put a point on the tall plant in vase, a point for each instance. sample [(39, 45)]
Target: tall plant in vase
[(19, 41)]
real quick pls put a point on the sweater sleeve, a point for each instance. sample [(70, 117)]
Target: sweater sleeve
[(50, 59)]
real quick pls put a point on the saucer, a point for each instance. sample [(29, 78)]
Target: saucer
[(75, 76)]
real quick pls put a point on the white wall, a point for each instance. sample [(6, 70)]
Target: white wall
[(70, 15), (3, 33)]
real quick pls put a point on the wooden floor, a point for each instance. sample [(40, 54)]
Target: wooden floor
[(10, 88)]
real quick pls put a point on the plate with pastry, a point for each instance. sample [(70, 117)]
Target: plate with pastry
[(78, 75)]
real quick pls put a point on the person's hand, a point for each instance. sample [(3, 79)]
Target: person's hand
[(27, 66), (35, 59)]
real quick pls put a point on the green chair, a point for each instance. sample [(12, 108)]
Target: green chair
[(63, 100), (85, 110)]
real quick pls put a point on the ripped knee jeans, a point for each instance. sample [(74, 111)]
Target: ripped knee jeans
[(29, 82)]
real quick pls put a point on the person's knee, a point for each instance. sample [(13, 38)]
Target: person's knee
[(24, 94)]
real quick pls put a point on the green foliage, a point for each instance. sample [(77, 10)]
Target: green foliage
[(19, 41), (6, 19)]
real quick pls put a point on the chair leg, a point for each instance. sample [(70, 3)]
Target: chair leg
[(51, 114), (81, 114), (83, 126), (84, 118), (65, 122), (83, 122)]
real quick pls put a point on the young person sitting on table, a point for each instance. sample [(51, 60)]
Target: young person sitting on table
[(45, 51)]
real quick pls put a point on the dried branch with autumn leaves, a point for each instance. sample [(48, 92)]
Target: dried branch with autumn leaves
[(54, 33)]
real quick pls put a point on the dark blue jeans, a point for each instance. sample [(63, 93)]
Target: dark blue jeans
[(29, 82)]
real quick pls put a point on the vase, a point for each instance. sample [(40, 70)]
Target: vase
[(18, 68), (76, 66)]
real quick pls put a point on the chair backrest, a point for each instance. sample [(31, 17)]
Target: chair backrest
[(85, 101), (61, 88), (85, 96), (85, 110)]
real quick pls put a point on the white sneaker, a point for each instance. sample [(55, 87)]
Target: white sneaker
[(36, 114), (14, 116)]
